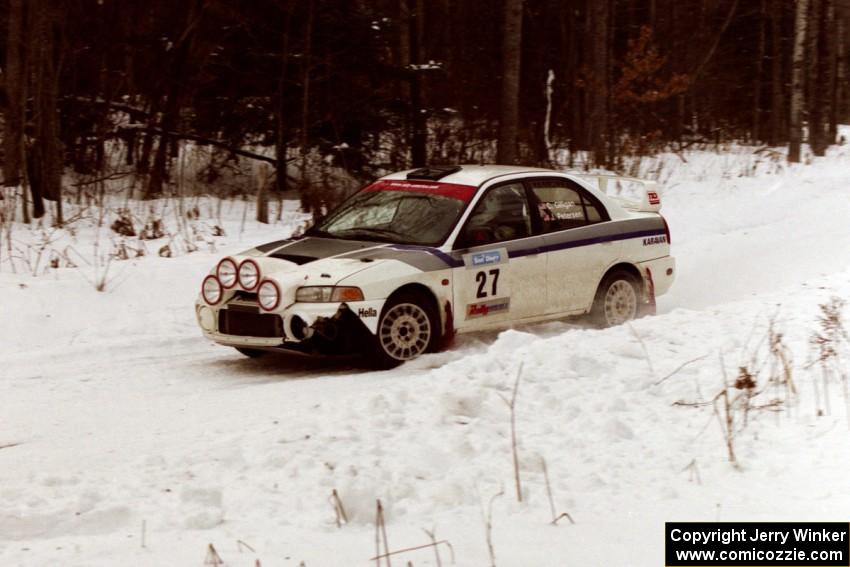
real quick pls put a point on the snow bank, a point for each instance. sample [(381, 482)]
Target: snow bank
[(115, 413)]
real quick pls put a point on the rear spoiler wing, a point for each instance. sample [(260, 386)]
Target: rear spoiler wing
[(641, 195)]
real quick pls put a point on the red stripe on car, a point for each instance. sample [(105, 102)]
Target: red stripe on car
[(455, 191)]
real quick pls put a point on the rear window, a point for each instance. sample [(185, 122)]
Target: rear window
[(562, 207)]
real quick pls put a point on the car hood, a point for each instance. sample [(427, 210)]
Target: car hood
[(325, 261)]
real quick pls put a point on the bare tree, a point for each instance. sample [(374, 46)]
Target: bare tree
[(178, 68), (306, 70), (13, 135), (511, 56), (797, 81), (419, 134), (815, 88), (840, 108), (831, 65), (777, 94), (282, 127), (598, 123), (757, 79), (45, 168)]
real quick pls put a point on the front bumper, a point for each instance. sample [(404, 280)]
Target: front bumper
[(327, 328)]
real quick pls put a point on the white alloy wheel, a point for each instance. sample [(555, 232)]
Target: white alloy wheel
[(405, 331), (620, 302)]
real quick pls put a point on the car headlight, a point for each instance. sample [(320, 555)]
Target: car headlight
[(226, 272), (268, 294), (328, 294), (249, 274), (211, 290)]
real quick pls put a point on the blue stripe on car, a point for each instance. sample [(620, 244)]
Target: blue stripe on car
[(554, 247)]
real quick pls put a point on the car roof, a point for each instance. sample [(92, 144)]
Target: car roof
[(474, 175)]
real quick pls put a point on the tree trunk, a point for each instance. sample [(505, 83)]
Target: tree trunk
[(795, 132), (574, 106), (833, 30), (598, 124), (282, 133), (757, 81), (511, 56), (47, 163), (15, 79), (261, 173), (817, 78), (419, 122), (841, 108), (307, 200), (777, 96)]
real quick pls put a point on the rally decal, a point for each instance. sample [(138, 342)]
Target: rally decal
[(478, 260), (662, 239), (485, 308), (487, 258), (365, 312), (488, 283)]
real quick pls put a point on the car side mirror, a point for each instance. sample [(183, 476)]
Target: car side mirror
[(478, 235)]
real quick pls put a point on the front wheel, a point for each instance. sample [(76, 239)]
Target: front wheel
[(616, 300), (407, 329)]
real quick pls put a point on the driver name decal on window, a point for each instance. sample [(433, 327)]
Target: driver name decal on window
[(560, 210)]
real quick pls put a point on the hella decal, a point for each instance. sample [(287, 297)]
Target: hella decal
[(365, 312), (485, 308), (655, 240)]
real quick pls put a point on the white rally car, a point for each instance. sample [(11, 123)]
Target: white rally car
[(420, 255)]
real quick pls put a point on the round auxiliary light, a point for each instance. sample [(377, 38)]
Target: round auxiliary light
[(211, 290), (268, 295), (226, 272), (249, 274)]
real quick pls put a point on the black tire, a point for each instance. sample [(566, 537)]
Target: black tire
[(408, 327), (251, 352), (617, 300)]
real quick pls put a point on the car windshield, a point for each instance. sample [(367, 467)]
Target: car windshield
[(396, 215)]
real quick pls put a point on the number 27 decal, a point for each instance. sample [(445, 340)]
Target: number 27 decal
[(481, 278)]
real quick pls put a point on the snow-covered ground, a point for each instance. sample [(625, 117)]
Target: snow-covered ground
[(127, 439)]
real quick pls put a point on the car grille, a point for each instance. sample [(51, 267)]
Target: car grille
[(248, 324)]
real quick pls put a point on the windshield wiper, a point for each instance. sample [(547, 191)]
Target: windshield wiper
[(379, 232)]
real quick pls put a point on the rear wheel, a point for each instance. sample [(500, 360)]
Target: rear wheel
[(251, 352), (407, 329), (616, 299)]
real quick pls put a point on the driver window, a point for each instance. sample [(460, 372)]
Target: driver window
[(502, 214)]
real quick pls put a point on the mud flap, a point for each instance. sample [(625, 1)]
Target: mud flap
[(648, 306), (448, 337)]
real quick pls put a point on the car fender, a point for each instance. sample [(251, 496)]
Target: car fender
[(385, 277)]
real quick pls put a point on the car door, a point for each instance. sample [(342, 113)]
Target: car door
[(503, 277), (575, 227)]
